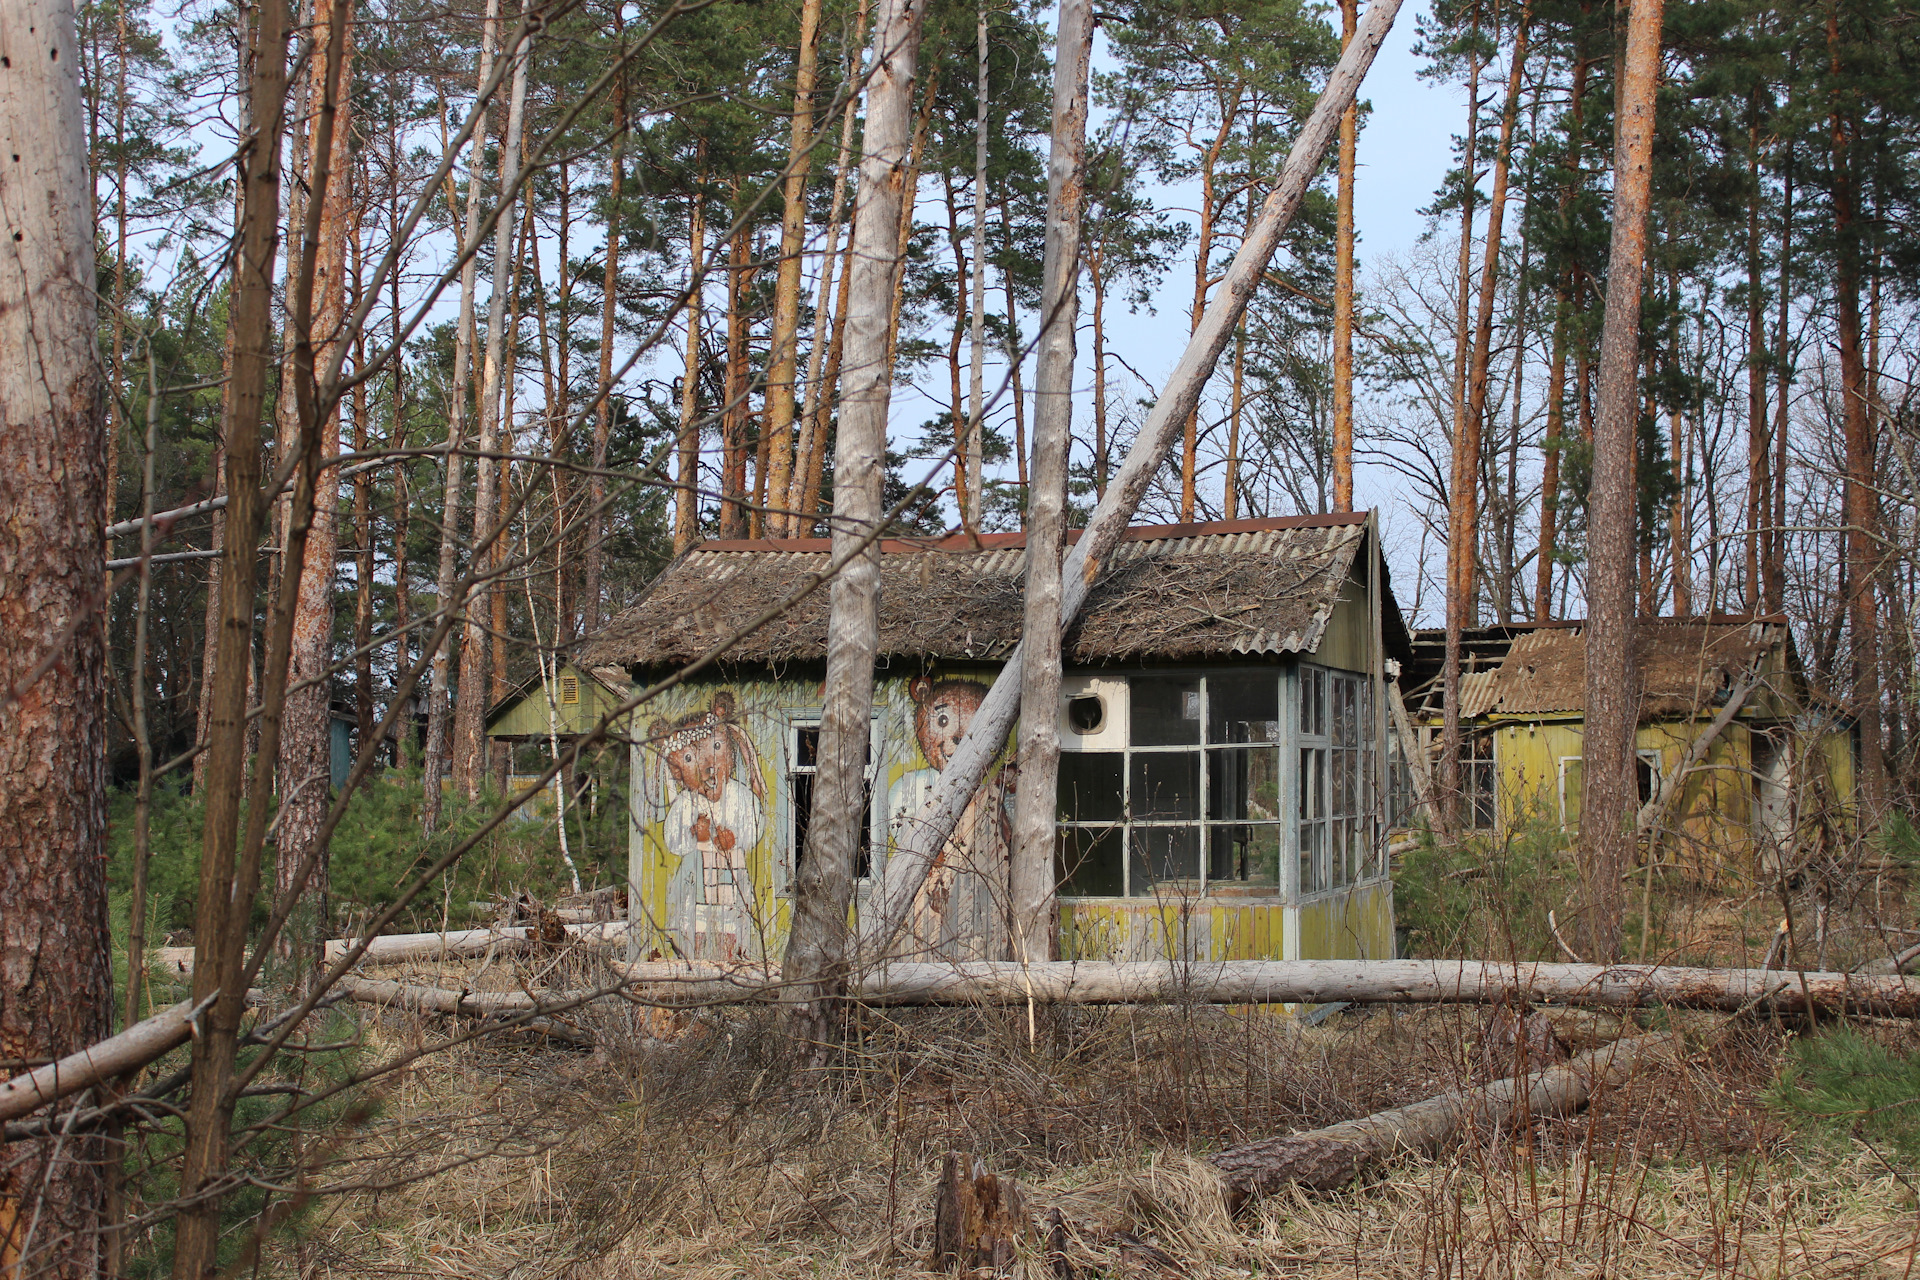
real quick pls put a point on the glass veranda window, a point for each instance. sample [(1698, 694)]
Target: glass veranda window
[(1338, 762), (1190, 804)]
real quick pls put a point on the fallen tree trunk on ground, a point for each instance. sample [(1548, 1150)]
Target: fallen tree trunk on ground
[(978, 1218), (466, 942), (1327, 1158), (478, 1004), (393, 948), (115, 1056), (998, 982)]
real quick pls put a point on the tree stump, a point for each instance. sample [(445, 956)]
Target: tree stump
[(979, 1221)]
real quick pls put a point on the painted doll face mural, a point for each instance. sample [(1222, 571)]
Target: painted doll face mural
[(942, 711), (715, 814)]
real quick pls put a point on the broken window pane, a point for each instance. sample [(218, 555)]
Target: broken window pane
[(1087, 861), (1167, 858), (1243, 708), (1166, 711), (1243, 783), (1092, 786), (1166, 785), (1244, 854)]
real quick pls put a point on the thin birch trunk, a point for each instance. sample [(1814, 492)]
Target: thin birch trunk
[(897, 884), (817, 947), (1032, 881), (1613, 701)]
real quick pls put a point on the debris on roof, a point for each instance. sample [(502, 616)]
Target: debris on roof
[(1684, 666), (1170, 592)]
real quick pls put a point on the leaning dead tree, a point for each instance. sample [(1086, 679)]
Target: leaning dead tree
[(899, 881)]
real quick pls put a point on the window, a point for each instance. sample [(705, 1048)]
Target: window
[(1192, 801), (1646, 768), (1477, 779), (1337, 775), (569, 690), (803, 763), (1572, 785)]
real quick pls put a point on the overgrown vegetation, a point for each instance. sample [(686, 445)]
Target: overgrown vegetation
[(379, 847)]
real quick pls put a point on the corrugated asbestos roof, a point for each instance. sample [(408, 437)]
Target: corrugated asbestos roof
[(1684, 665), (1169, 592)]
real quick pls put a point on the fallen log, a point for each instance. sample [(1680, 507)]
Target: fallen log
[(996, 982), (479, 1004), (115, 1056), (1327, 1158), (393, 947)]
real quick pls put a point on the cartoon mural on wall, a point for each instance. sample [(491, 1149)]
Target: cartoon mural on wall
[(961, 910), (714, 799)]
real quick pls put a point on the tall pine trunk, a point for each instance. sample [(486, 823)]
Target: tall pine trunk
[(803, 487), (1613, 692), (439, 724), (56, 977), (1342, 290), (609, 313), (783, 357), (1465, 472), (469, 726), (1858, 496), (686, 494), (304, 774)]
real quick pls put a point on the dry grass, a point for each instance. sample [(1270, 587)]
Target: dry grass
[(710, 1155)]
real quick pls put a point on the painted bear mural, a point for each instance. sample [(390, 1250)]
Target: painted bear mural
[(715, 801), (961, 910)]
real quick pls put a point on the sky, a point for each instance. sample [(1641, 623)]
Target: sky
[(1405, 149)]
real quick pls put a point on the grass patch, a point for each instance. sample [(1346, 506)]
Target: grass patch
[(1847, 1082)]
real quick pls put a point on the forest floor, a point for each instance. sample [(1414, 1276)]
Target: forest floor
[(688, 1144)]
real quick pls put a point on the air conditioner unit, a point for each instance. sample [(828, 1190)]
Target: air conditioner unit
[(1093, 713)]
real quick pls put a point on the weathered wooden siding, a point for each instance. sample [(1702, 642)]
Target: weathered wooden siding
[(1354, 924), (528, 716), (1712, 824)]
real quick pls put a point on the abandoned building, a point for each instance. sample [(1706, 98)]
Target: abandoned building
[(1778, 768), (1223, 775)]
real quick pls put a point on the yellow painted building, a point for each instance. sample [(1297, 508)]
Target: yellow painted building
[(1775, 770), (1223, 766)]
